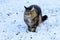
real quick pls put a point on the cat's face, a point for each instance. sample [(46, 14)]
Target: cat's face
[(30, 12)]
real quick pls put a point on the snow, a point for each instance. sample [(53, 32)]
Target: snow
[(13, 27)]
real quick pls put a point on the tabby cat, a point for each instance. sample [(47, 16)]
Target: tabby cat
[(33, 17)]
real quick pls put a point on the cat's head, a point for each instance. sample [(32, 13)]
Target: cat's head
[(30, 11)]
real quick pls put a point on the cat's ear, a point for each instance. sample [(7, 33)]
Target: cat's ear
[(25, 7), (32, 8)]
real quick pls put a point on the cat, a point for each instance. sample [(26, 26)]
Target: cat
[(33, 17)]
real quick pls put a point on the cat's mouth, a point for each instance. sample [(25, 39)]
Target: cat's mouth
[(28, 16)]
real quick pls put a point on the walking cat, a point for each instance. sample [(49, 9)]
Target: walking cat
[(33, 17)]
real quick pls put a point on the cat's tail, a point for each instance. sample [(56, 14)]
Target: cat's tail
[(44, 18)]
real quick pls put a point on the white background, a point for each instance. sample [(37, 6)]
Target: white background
[(12, 20)]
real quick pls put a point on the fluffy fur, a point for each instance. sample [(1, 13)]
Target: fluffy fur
[(33, 16)]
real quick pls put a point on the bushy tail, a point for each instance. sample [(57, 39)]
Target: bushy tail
[(44, 18)]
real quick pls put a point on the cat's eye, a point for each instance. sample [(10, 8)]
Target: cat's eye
[(27, 13)]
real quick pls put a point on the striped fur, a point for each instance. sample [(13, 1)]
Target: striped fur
[(32, 17)]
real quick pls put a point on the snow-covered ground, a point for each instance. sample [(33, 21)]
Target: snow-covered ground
[(13, 27)]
